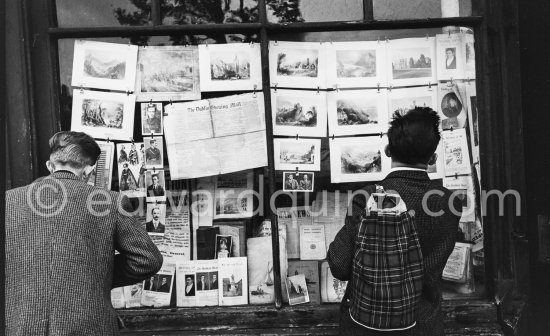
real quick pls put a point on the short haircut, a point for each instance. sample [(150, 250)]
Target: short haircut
[(153, 210), (74, 149), (414, 135), (152, 140)]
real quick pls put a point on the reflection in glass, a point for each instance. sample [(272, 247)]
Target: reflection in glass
[(103, 13), (180, 12), (414, 9), (288, 11)]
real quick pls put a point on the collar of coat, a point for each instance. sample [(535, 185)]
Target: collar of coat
[(409, 174)]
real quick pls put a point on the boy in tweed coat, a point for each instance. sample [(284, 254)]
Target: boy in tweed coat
[(413, 139), (60, 247)]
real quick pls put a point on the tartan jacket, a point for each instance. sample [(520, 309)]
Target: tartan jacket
[(60, 257), (437, 237)]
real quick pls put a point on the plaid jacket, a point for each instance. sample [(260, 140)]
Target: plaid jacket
[(60, 261), (437, 235)]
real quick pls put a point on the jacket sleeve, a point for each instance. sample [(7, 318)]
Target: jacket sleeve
[(341, 250), (139, 257)]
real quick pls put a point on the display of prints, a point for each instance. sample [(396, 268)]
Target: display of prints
[(297, 64), (403, 100), (356, 64), (102, 175), (302, 154), (412, 61), (299, 112), (358, 159), (230, 67), (232, 273), (101, 65), (168, 73), (332, 289), (457, 156), (298, 182), (450, 57), (260, 270), (297, 289), (155, 219), (155, 184), (157, 290), (131, 169), (103, 115), (357, 112), (452, 105), (151, 119), (437, 169), (310, 269), (469, 56)]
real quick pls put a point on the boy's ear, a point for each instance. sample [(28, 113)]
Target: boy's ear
[(433, 159), (51, 166), (387, 151)]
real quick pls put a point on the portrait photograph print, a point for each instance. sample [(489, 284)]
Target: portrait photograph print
[(230, 67), (224, 245), (190, 286), (412, 61), (131, 169), (357, 64), (168, 73), (151, 118), (357, 112), (452, 105), (358, 159), (155, 219), (298, 181), (299, 112), (156, 190), (301, 154), (297, 289), (297, 64), (153, 152), (101, 65), (449, 56), (403, 100), (103, 115)]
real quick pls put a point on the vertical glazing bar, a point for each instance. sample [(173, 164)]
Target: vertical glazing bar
[(368, 10), (155, 12), (271, 167)]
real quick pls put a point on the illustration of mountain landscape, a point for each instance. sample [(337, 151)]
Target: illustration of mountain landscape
[(101, 64), (357, 160), (354, 112)]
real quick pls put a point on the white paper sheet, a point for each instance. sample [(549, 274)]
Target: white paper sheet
[(450, 56), (302, 154), (457, 156), (234, 195), (299, 112), (312, 242), (233, 281), (160, 294), (422, 69)]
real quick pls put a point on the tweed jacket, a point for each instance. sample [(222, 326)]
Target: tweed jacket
[(437, 235), (61, 237)]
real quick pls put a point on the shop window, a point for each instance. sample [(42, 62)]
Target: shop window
[(103, 13), (418, 9), (279, 11)]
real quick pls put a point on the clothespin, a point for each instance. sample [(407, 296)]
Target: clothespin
[(170, 102), (251, 44), (254, 92), (318, 88), (451, 128), (152, 134), (81, 89), (276, 43), (297, 172), (132, 140), (429, 86), (333, 136), (378, 40), (456, 176), (427, 36), (378, 87), (108, 140), (381, 135), (275, 90), (335, 87), (390, 88), (297, 137), (387, 40)]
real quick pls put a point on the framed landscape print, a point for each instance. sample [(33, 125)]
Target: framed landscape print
[(412, 61), (299, 112)]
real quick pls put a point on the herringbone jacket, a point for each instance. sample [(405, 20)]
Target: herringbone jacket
[(437, 235), (61, 236)]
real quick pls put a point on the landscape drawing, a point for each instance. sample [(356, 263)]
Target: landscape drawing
[(102, 113), (297, 153), (356, 111), (411, 63), (402, 105), (165, 70), (104, 64), (298, 63), (229, 65), (356, 159), (355, 63), (295, 111)]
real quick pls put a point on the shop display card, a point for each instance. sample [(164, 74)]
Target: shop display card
[(103, 115), (216, 136), (207, 282), (132, 295), (186, 284), (117, 298), (473, 123), (151, 118), (332, 289), (102, 175), (357, 112), (358, 159), (156, 185), (168, 73), (297, 289), (297, 65), (230, 67), (260, 270), (298, 181), (452, 105), (299, 112), (234, 195), (177, 236), (356, 64), (101, 65), (155, 219), (157, 290), (437, 170), (237, 232), (310, 269), (131, 169), (469, 55), (450, 56), (457, 156), (301, 154), (233, 281), (203, 201), (312, 242), (403, 100), (412, 61)]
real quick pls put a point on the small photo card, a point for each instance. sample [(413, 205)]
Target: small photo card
[(297, 289), (155, 219), (224, 245), (151, 118), (298, 181), (101, 65), (156, 190), (131, 169), (301, 154), (450, 57), (153, 152)]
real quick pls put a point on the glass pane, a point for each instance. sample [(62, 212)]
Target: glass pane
[(178, 12), (286, 11), (103, 13), (417, 9)]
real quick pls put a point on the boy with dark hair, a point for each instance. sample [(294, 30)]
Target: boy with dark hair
[(413, 138)]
